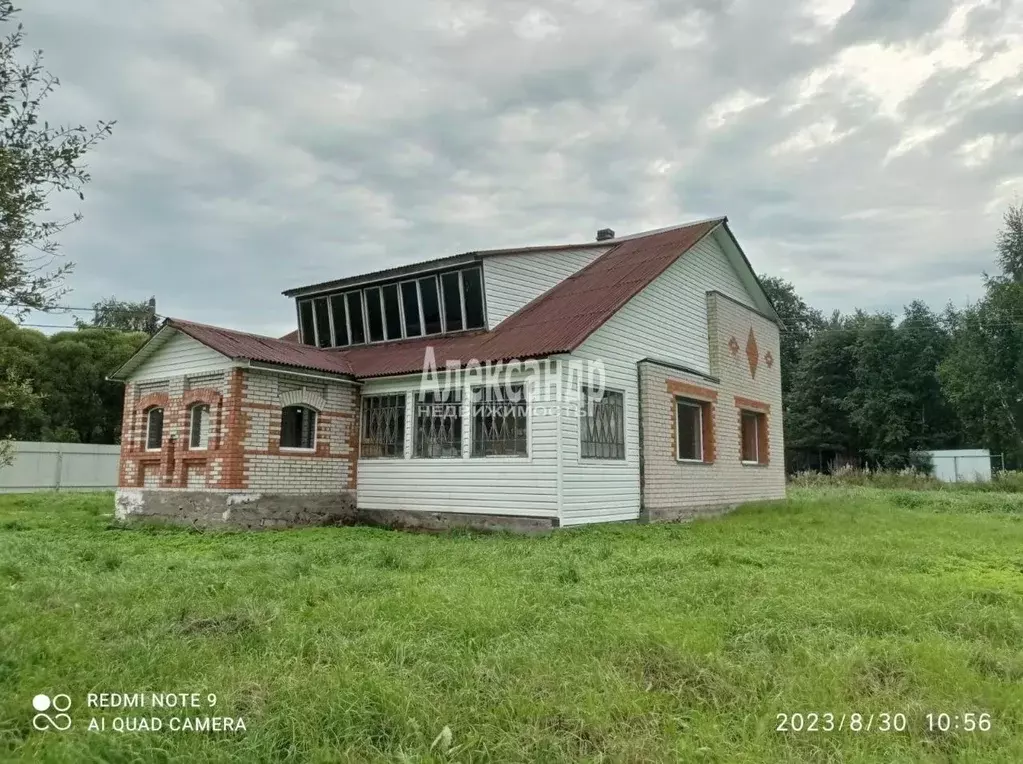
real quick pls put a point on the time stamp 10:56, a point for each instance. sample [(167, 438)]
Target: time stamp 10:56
[(827, 721)]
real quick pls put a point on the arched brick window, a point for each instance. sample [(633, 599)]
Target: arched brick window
[(154, 429), (199, 427), (298, 427)]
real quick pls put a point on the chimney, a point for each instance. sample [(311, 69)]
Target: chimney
[(605, 233)]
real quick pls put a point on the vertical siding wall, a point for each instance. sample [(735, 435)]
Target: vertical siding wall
[(513, 281), (525, 487), (674, 489), (667, 321)]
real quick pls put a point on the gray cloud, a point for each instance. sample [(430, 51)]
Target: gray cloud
[(865, 153)]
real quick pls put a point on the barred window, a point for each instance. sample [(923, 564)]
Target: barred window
[(298, 427), (383, 426), (601, 424), (438, 425), (500, 417)]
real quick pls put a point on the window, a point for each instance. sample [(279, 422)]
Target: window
[(337, 313), (305, 322), (199, 427), (472, 286), (355, 322), (298, 427), (374, 315), (154, 429), (438, 425), (321, 310), (689, 429), (452, 301), (754, 437), (392, 312), (451, 287), (383, 426), (499, 421), (410, 307), (601, 425), (431, 305)]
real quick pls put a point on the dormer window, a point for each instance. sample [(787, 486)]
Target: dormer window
[(405, 308)]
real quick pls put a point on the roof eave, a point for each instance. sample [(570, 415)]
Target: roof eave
[(774, 311)]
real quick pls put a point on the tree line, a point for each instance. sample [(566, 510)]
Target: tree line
[(876, 387)]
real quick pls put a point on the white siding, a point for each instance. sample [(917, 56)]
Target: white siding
[(666, 321), (501, 485), (180, 356), (514, 281)]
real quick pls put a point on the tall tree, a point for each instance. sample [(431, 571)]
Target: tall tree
[(801, 323), (38, 161), (123, 316)]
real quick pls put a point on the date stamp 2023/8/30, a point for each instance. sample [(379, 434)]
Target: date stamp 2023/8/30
[(829, 721)]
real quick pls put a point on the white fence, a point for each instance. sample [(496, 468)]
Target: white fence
[(60, 467), (968, 465)]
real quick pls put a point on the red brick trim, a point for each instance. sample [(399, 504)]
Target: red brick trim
[(686, 390), (763, 412), (752, 405), (707, 414), (232, 474)]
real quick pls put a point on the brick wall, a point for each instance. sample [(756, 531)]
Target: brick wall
[(244, 450), (745, 375)]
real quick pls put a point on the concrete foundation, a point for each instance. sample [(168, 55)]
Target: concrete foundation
[(443, 521), (682, 514), (224, 509), (259, 511)]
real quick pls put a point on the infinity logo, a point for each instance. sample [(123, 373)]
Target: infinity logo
[(59, 721)]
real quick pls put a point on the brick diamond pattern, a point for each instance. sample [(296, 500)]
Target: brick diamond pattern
[(752, 353)]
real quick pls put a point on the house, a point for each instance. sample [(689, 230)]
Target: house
[(618, 379)]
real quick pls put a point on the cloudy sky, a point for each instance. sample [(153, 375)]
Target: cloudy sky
[(863, 150)]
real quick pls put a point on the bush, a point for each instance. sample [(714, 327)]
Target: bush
[(907, 478)]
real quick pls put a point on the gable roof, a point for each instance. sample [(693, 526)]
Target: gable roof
[(239, 346), (556, 322)]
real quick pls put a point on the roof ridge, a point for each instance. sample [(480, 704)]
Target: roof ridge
[(179, 321)]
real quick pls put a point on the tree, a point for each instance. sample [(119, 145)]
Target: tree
[(1010, 244), (112, 313), (70, 399), (801, 323), (38, 162)]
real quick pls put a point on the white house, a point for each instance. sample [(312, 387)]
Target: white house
[(619, 379)]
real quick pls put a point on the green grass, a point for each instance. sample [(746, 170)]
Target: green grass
[(617, 643)]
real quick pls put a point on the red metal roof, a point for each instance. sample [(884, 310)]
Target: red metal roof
[(558, 321), (253, 347)]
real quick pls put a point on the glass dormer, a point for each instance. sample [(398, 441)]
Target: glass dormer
[(404, 308)]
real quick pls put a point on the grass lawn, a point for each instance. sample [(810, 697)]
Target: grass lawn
[(617, 643)]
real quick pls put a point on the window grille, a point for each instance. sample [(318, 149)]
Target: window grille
[(438, 425), (500, 421), (383, 426), (602, 425)]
